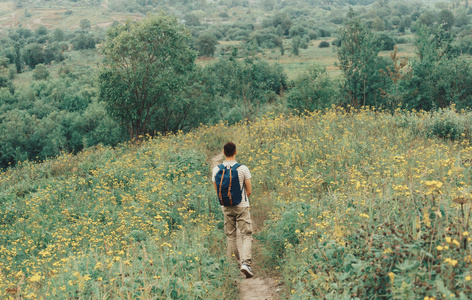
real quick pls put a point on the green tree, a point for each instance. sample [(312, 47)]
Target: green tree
[(360, 64), (446, 19), (85, 24), (296, 43), (284, 21), (192, 20), (405, 23), (462, 19), (397, 75), (247, 83), (311, 91), (428, 18), (439, 77), (378, 24), (206, 44), (83, 41), (145, 63), (384, 41), (17, 55), (33, 55), (40, 72), (41, 30), (58, 35)]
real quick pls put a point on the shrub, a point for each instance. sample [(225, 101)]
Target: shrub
[(325, 33), (323, 44), (384, 41), (312, 34), (313, 90), (40, 72), (336, 42)]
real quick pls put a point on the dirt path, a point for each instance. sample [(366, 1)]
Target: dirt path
[(258, 287)]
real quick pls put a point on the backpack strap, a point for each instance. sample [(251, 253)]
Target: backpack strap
[(236, 165), (222, 167), (229, 188)]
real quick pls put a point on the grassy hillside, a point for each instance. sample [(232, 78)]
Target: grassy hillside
[(357, 204)]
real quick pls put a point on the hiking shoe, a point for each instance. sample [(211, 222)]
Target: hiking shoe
[(247, 271)]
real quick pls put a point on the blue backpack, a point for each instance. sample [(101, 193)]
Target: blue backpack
[(228, 186)]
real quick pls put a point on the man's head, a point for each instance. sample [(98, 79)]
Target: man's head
[(229, 149)]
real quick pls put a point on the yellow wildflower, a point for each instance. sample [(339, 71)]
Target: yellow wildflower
[(392, 276), (35, 278)]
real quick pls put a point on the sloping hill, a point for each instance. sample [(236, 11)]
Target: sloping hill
[(358, 204)]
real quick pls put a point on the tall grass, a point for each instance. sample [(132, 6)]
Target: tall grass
[(359, 204)]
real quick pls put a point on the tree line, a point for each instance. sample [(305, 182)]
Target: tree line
[(149, 83)]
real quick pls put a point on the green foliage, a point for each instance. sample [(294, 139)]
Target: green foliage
[(360, 64), (428, 18), (58, 35), (267, 38), (439, 77), (192, 20), (296, 43), (313, 90), (323, 44), (33, 55), (206, 44), (378, 24), (247, 84), (146, 63), (384, 41), (85, 24), (83, 41), (47, 117), (40, 72), (446, 19), (446, 124), (284, 231), (41, 30)]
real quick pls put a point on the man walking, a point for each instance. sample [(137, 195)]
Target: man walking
[(233, 212)]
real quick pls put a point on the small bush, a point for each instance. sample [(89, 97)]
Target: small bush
[(323, 44), (336, 42), (40, 72)]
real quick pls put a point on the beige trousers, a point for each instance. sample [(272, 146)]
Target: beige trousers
[(239, 217)]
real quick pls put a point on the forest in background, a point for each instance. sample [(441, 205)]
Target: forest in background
[(52, 56)]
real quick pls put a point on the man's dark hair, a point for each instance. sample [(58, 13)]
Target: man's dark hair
[(229, 149)]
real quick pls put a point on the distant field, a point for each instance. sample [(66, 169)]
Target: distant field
[(295, 65), (32, 17), (63, 17)]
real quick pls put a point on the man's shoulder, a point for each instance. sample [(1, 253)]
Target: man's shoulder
[(245, 170), (243, 167), (216, 168)]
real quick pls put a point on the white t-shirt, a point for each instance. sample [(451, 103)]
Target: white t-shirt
[(243, 174)]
